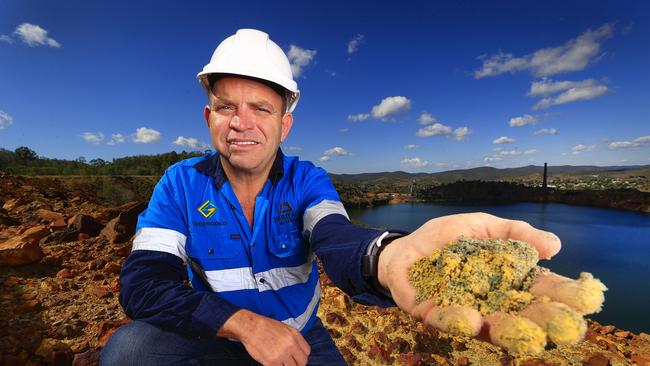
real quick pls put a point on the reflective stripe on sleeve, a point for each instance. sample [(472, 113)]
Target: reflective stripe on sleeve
[(315, 213), (160, 240), (301, 320)]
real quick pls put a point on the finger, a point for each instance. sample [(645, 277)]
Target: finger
[(303, 346), (546, 243), (455, 319), (290, 361), (585, 295), (517, 334), (561, 323), (299, 359), (421, 310)]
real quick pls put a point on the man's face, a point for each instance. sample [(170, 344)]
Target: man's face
[(246, 123)]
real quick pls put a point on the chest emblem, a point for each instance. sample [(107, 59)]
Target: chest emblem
[(285, 207), (207, 209)]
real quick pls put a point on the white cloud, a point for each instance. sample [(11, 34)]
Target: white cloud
[(358, 117), (390, 107), (461, 133), (415, 162), (5, 38), (344, 130), (34, 36), (641, 141), (501, 154), (434, 130), (526, 119), (573, 95), (145, 135), (509, 152), (545, 131), (410, 146), (335, 151), (622, 145), (580, 148), (353, 45), (547, 86), (93, 137), (191, 142), (574, 55), (426, 118), (294, 148), (116, 138), (503, 140), (493, 158), (5, 120), (299, 58)]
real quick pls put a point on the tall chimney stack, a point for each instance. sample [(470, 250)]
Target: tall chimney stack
[(544, 185)]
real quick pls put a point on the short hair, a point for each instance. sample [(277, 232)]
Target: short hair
[(280, 90)]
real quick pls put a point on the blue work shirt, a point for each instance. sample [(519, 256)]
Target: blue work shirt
[(194, 218)]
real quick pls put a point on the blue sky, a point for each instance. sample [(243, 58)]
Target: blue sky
[(414, 86)]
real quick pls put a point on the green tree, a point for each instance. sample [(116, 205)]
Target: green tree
[(98, 163), (25, 154)]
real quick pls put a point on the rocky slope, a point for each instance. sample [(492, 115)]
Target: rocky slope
[(60, 255)]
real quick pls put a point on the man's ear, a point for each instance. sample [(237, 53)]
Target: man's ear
[(287, 122), (206, 114)]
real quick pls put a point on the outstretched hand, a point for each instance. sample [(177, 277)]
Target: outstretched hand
[(396, 259)]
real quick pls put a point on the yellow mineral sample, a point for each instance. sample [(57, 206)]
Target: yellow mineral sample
[(561, 323), (584, 294), (487, 275), (493, 277), (456, 319), (518, 335)]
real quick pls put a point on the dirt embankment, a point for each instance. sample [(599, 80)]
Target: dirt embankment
[(61, 249)]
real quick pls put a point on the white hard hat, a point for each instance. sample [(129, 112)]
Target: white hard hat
[(251, 53)]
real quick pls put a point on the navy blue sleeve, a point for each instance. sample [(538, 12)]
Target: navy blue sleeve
[(152, 276), (153, 291), (340, 245)]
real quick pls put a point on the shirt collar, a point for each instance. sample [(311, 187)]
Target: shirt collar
[(212, 167)]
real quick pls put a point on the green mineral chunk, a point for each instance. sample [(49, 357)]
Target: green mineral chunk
[(486, 274)]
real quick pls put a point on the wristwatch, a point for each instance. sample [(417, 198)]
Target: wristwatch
[(370, 260)]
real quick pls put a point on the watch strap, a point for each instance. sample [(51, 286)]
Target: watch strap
[(370, 260)]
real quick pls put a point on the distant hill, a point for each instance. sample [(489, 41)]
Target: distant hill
[(483, 173), (24, 161)]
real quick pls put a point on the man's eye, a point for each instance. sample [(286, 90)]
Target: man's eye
[(224, 107), (262, 109)]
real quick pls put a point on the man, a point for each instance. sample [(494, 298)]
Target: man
[(246, 224)]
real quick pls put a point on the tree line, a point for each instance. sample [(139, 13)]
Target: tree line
[(25, 161)]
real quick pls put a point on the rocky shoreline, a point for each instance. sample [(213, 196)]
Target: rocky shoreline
[(61, 251), (479, 192)]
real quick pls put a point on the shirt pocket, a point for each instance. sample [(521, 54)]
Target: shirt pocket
[(286, 244), (206, 246)]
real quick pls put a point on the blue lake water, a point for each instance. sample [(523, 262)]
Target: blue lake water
[(614, 245)]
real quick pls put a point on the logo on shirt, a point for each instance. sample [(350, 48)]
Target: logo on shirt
[(207, 209), (286, 214), (285, 207)]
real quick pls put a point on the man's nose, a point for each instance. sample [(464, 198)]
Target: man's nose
[(241, 122)]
